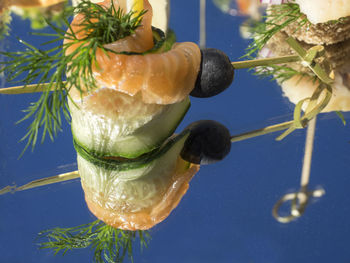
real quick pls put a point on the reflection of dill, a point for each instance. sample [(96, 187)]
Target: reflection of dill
[(109, 244)]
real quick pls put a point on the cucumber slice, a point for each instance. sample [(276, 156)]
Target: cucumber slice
[(102, 137), (130, 186)]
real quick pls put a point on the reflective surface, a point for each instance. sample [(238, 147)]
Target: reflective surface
[(226, 216)]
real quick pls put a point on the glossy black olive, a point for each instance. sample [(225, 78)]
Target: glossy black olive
[(215, 75), (208, 142)]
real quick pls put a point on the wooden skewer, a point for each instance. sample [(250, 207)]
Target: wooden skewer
[(41, 182), (309, 143), (265, 61), (32, 88), (202, 24), (299, 200)]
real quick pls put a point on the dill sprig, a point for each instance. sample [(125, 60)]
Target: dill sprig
[(109, 244), (277, 18), (49, 67), (106, 25)]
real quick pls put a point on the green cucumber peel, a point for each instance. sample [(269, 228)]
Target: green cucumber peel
[(127, 164)]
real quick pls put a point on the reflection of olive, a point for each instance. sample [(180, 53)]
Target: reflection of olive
[(208, 142), (215, 75)]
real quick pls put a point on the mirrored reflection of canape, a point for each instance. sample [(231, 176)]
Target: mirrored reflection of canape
[(38, 11), (249, 8), (318, 25), (333, 35)]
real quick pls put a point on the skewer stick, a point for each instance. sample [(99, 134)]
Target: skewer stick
[(265, 61), (202, 24), (299, 121), (309, 143), (308, 57), (300, 199), (273, 128), (41, 182), (263, 131), (32, 88)]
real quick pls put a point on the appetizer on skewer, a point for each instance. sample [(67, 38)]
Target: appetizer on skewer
[(105, 125), (323, 29), (5, 19), (38, 11), (138, 190), (252, 9), (240, 7), (129, 166), (135, 183), (329, 29)]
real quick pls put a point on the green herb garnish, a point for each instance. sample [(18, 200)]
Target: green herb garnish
[(48, 67), (277, 18), (109, 244), (106, 25)]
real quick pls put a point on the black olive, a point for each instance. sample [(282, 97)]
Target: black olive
[(215, 75), (208, 142)]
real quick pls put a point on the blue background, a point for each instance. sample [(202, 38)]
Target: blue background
[(226, 214)]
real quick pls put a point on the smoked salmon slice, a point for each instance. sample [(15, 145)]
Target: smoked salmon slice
[(163, 78)]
